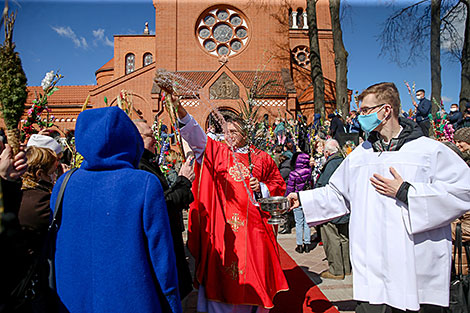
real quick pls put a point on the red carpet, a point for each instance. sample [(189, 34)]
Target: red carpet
[(303, 295)]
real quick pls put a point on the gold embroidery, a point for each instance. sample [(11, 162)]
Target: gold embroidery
[(233, 271), (235, 222), (239, 173)]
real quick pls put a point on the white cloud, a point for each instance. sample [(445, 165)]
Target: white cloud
[(67, 32), (99, 33), (446, 99), (454, 40), (101, 38)]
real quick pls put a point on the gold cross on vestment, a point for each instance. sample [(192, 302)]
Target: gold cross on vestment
[(233, 270), (235, 222)]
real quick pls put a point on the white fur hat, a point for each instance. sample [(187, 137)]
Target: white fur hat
[(42, 141)]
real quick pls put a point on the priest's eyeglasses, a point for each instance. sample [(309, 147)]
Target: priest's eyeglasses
[(367, 110)]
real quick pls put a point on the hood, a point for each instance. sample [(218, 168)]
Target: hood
[(285, 164), (300, 160), (107, 139), (411, 131), (336, 155)]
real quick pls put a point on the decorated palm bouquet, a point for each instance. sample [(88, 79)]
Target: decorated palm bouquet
[(13, 92)]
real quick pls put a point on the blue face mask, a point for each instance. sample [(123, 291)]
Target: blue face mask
[(369, 122)]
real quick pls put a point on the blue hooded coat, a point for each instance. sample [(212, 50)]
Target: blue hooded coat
[(114, 251)]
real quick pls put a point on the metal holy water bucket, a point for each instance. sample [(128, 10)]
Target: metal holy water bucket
[(276, 206)]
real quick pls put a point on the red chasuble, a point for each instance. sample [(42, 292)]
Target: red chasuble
[(236, 252)]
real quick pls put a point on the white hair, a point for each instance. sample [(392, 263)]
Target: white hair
[(331, 146)]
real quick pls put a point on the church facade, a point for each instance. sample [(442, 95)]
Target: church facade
[(217, 51)]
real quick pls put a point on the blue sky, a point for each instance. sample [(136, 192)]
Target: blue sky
[(76, 39)]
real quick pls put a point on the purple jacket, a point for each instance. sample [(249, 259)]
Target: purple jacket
[(301, 173)]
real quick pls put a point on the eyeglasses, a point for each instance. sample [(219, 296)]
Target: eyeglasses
[(365, 111)]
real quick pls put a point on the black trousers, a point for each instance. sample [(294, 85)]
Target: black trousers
[(366, 307), (425, 125)]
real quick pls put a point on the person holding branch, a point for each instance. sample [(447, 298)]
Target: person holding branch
[(236, 253)]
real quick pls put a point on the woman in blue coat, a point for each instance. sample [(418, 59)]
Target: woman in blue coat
[(114, 251)]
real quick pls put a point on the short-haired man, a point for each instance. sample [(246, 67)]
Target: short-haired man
[(403, 190), (177, 197), (423, 109), (466, 117), (455, 116), (334, 233), (237, 262)]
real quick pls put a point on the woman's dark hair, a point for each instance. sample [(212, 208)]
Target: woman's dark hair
[(293, 160)]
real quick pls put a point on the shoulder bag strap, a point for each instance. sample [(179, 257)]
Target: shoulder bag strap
[(467, 253), (55, 224), (458, 245), (54, 228)]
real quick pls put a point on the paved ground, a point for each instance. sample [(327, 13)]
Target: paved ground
[(339, 292)]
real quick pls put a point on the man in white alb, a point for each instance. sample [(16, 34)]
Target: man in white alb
[(402, 190)]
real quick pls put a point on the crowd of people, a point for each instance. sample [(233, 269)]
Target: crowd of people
[(380, 193)]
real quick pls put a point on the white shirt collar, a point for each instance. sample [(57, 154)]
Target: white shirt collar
[(242, 149)]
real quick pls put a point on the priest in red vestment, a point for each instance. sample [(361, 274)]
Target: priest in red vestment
[(236, 252)]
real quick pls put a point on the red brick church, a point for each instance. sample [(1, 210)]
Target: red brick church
[(222, 49)]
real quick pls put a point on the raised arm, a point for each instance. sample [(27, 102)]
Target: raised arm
[(191, 131)]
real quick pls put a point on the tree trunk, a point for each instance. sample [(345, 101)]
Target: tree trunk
[(436, 84), (464, 97), (341, 60), (317, 73)]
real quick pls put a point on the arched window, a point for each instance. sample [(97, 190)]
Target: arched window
[(300, 20), (148, 58), (290, 17), (130, 63)]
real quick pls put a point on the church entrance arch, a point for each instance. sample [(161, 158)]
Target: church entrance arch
[(225, 112)]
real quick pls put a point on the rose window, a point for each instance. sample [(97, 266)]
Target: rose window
[(222, 31), (301, 55)]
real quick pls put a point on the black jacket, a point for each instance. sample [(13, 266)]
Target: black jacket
[(285, 169), (336, 127), (455, 118), (423, 110), (330, 166), (13, 249), (177, 198)]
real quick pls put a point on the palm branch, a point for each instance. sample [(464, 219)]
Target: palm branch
[(13, 92)]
